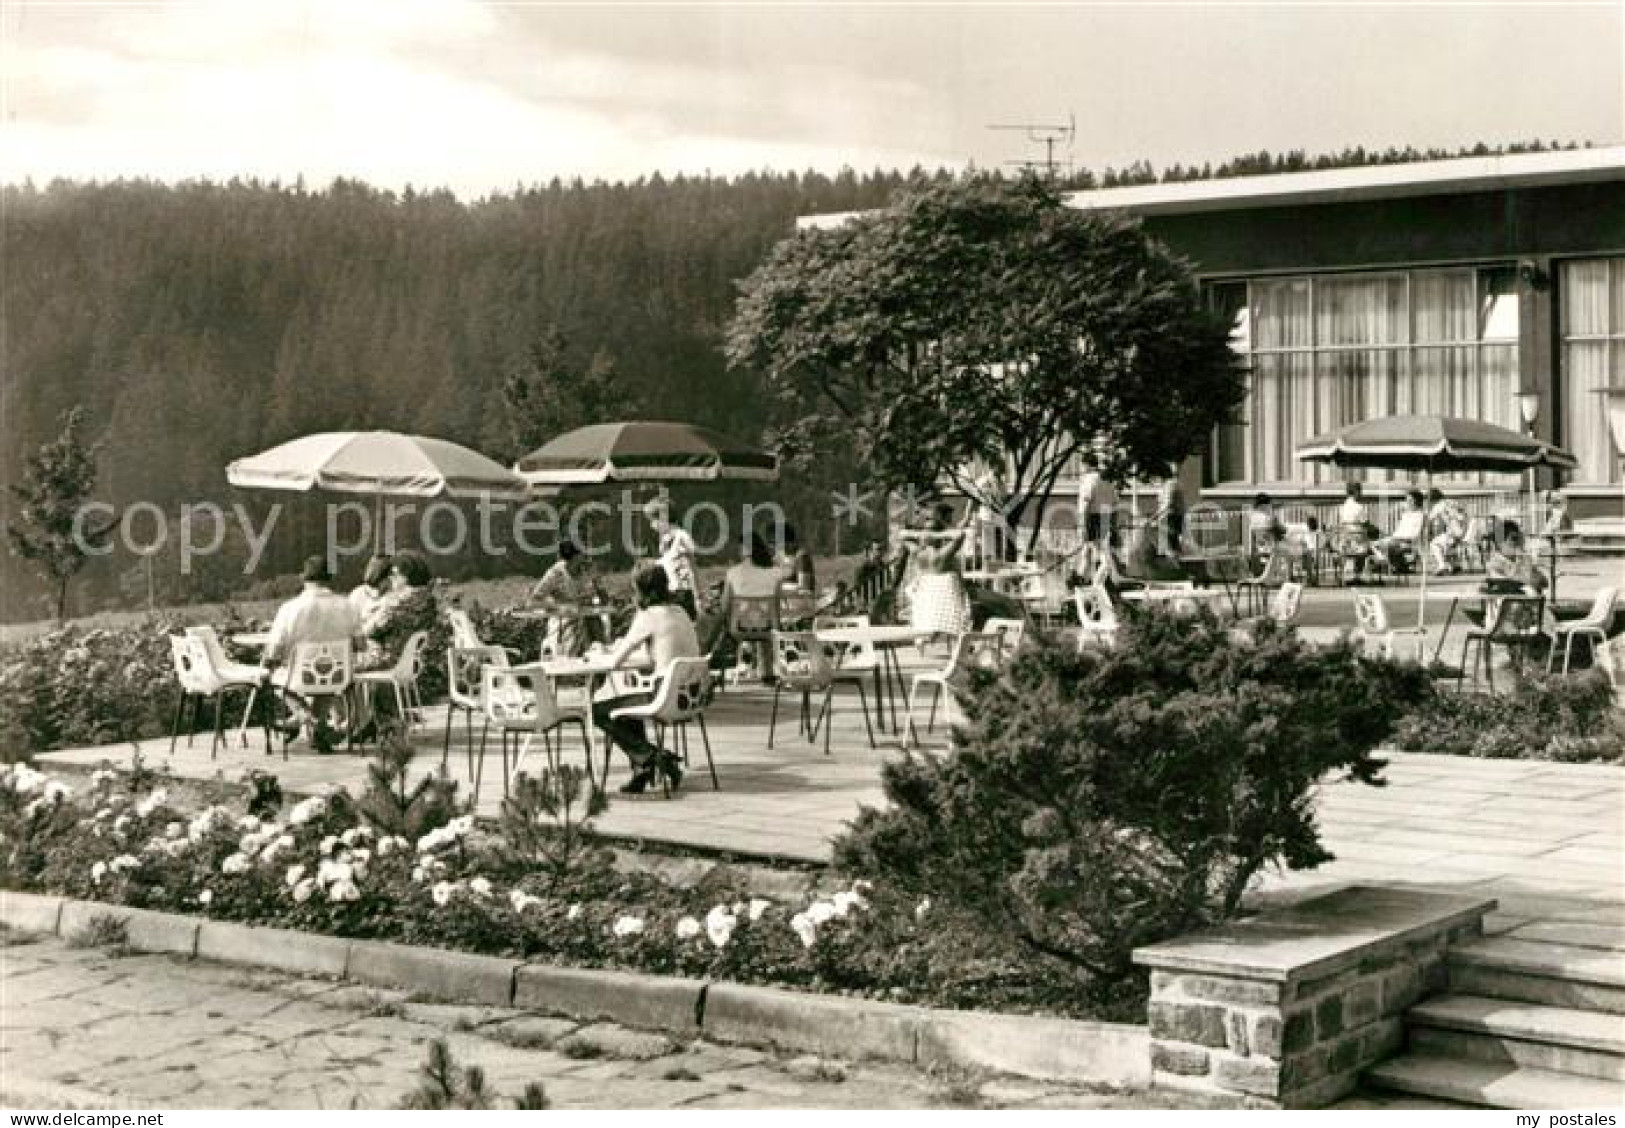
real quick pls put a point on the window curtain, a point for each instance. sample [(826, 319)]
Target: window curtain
[(1593, 301)]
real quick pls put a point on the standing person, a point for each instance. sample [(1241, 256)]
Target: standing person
[(562, 591), (1170, 517), (939, 602), (676, 557), (1097, 501), (316, 614), (1447, 521), (373, 587), (663, 630), (1264, 528), (1354, 533)]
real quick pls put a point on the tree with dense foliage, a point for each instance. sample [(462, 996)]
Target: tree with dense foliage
[(51, 530), (1098, 801), (983, 324), (554, 392)]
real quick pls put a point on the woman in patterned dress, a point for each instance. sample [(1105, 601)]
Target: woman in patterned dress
[(939, 602)]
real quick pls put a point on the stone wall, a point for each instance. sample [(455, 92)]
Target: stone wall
[(1287, 1008)]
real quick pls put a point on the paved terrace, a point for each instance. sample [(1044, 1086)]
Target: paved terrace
[(1548, 839)]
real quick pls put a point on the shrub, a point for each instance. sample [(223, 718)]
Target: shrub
[(1098, 801), (1569, 717)]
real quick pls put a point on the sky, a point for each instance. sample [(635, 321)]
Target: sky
[(481, 97)]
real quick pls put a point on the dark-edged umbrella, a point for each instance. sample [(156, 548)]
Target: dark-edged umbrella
[(645, 451), (1434, 444)]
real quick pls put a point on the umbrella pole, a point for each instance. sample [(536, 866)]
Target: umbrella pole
[(1424, 560)]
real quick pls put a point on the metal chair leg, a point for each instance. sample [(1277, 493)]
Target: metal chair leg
[(863, 703), (180, 712), (705, 739), (773, 718)]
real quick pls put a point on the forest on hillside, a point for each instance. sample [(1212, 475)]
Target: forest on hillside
[(201, 322)]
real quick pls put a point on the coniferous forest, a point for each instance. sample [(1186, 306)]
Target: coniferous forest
[(201, 322)]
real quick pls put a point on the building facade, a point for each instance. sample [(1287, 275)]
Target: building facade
[(1490, 288)]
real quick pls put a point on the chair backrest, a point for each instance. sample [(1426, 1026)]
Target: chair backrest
[(1514, 616), (463, 634), (410, 663), (1009, 632), (318, 669), (975, 650), (796, 607), (192, 666), (1370, 613), (1601, 615), (210, 638), (1284, 603), (519, 698), (465, 672), (753, 614), (1277, 568), (801, 661), (851, 654), (1096, 613), (685, 687)]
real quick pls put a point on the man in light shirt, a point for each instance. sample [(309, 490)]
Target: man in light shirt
[(676, 557), (316, 614)]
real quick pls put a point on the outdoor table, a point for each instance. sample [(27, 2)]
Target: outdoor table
[(1201, 567), (576, 611), (1175, 595), (592, 670), (886, 640), (252, 640), (999, 579)]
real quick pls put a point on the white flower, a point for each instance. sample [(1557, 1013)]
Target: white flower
[(574, 911), (756, 908), (25, 779), (302, 891), (358, 857), (102, 775), (101, 814), (805, 928), (343, 891), (236, 863), (124, 862), (628, 926), (387, 846), (846, 902), (863, 885), (479, 886), (442, 892), (922, 908), (205, 897), (330, 872), (205, 822), (329, 844), (821, 912), (356, 835), (720, 925), (54, 791), (307, 809), (120, 823), (154, 799), (98, 871), (294, 876), (174, 830), (688, 928), (520, 900), (248, 822)]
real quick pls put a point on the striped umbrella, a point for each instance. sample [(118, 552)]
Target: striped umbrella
[(645, 451), (379, 463)]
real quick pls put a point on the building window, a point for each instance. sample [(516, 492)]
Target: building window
[(1593, 299), (1329, 350)]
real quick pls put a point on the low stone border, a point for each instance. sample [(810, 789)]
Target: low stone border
[(1045, 1049)]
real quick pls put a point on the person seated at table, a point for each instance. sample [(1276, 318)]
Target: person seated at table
[(1354, 534), (316, 614), (373, 587), (1302, 543), (1510, 559), (407, 607), (1558, 524), (798, 569), (1264, 528), (1401, 548), (566, 587), (662, 630), (758, 576), (1448, 522)]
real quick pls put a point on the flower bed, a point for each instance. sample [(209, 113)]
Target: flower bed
[(321, 866), (1564, 717)]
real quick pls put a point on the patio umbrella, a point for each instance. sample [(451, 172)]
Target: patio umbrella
[(378, 463), (645, 451), (1430, 444)]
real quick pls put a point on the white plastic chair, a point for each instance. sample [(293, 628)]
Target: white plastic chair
[(465, 691), (318, 671), (973, 650), (680, 700), (199, 682), (522, 703), (855, 662), (1374, 625), (1593, 627), (804, 666), (1010, 633), (232, 675), (1097, 616), (402, 679)]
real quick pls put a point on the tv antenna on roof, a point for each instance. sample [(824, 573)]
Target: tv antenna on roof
[(1049, 136)]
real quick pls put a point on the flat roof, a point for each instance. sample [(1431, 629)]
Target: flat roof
[(1339, 185)]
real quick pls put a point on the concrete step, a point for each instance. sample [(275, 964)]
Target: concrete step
[(1587, 979), (1491, 1085), (1572, 934), (1494, 1030)]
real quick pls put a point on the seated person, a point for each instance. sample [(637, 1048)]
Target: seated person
[(798, 563), (563, 589), (1401, 547), (316, 614), (1558, 524), (1264, 528), (755, 577), (662, 629), (1302, 542), (1511, 560), (373, 587), (407, 607), (1448, 523), (1354, 533)]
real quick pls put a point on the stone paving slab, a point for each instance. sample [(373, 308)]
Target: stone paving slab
[(265, 1039)]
